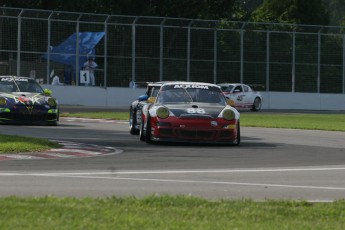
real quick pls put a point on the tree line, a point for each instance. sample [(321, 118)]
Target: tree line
[(308, 12)]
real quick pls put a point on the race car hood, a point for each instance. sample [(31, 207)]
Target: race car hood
[(196, 109), (24, 98)]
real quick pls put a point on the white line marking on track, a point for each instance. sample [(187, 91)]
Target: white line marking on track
[(75, 151), (184, 181), (211, 182), (93, 175), (178, 171)]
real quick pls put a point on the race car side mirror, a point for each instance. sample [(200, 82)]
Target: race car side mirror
[(230, 102), (151, 100), (47, 92)]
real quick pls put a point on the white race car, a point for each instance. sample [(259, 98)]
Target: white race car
[(190, 112), (243, 96)]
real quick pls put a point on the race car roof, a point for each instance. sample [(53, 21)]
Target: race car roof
[(14, 77), (225, 84), (191, 83)]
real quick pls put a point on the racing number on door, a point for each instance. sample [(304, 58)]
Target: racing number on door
[(240, 98), (198, 110)]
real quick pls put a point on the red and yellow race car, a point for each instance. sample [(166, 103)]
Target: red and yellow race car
[(190, 112)]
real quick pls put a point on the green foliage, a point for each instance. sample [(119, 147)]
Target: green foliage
[(336, 8), (201, 9), (292, 11)]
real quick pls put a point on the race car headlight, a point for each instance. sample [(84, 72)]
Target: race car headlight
[(228, 115), (163, 112), (51, 101), (230, 102), (2, 101)]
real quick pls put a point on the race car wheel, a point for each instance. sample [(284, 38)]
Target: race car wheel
[(133, 122), (257, 104), (237, 141), (141, 132), (148, 130)]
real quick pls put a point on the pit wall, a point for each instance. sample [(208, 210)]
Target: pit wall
[(118, 97)]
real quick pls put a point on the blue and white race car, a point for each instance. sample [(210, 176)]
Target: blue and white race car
[(136, 106)]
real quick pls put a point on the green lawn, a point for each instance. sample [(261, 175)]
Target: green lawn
[(167, 212), (331, 122), (99, 115), (18, 144)]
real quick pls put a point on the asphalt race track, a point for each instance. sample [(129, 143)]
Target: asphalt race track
[(269, 164)]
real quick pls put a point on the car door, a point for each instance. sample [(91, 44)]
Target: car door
[(248, 96), (239, 96)]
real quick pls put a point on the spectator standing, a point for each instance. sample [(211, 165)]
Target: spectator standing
[(56, 80), (132, 84), (91, 65)]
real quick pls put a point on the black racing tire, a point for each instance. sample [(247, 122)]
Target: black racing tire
[(148, 130), (133, 122), (237, 141), (256, 104), (55, 123), (141, 132)]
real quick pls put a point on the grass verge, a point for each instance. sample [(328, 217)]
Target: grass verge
[(99, 115), (167, 212), (330, 122), (18, 144)]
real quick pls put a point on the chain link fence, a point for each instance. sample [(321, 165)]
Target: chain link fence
[(278, 57)]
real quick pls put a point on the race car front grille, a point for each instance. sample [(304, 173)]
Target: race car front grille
[(166, 132), (195, 116), (226, 133), (194, 134), (27, 114), (28, 117)]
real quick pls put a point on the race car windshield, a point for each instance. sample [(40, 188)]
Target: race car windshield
[(172, 94), (14, 84), (227, 89)]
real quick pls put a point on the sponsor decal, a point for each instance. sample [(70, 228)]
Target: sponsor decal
[(24, 100), (240, 97), (214, 123), (196, 110), (29, 102), (191, 86), (10, 79)]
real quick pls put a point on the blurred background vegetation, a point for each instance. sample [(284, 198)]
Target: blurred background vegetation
[(311, 12)]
